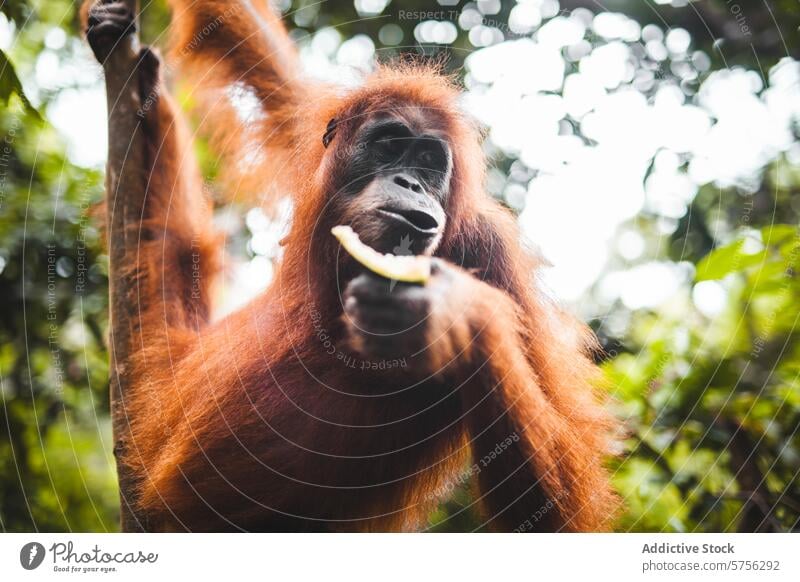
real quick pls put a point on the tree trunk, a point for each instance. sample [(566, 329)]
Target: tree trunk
[(125, 194)]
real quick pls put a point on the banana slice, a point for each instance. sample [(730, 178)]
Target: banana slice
[(409, 269)]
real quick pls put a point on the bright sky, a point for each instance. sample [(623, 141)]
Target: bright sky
[(581, 191)]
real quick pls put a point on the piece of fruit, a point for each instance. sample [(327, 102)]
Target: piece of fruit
[(409, 269)]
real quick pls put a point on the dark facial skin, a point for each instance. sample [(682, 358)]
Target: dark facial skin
[(395, 185), (391, 185)]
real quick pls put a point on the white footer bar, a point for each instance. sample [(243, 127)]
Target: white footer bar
[(402, 557)]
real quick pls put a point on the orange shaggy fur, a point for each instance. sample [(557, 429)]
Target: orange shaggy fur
[(248, 422)]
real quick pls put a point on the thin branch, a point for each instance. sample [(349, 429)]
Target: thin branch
[(125, 189)]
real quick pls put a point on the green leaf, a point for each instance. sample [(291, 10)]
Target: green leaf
[(726, 260), (777, 234), (10, 84), (16, 10)]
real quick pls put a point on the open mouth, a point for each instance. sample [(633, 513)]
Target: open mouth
[(420, 221)]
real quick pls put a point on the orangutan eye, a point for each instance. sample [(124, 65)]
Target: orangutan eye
[(392, 138), (392, 145), (427, 158), (432, 154)]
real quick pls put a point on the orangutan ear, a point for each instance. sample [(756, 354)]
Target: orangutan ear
[(330, 132)]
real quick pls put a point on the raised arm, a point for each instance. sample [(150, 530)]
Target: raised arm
[(170, 234), (252, 100), (240, 41), (162, 248)]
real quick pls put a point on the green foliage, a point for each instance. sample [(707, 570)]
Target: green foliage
[(10, 84), (712, 404), (726, 260), (56, 472), (17, 11)]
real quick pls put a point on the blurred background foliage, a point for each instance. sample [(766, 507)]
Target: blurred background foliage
[(706, 380)]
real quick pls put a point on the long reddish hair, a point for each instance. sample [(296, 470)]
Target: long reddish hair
[(280, 152)]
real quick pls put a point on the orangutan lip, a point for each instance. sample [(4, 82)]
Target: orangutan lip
[(421, 222)]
